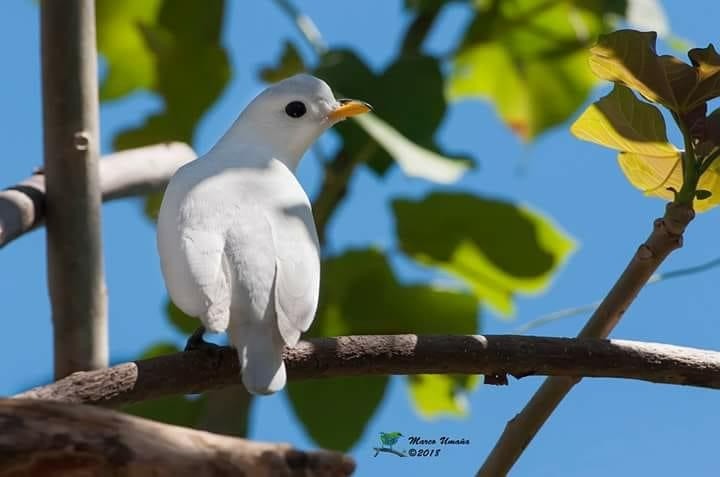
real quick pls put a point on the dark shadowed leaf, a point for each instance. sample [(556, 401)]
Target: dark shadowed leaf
[(177, 410), (702, 194), (498, 248), (334, 411), (182, 322), (360, 295), (159, 349), (629, 57), (408, 96)]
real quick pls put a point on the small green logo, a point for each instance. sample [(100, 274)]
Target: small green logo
[(387, 441)]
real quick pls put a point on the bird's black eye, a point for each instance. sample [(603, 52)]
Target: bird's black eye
[(295, 109)]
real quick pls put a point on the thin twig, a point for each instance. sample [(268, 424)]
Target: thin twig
[(581, 309), (666, 236), (305, 25), (491, 355), (70, 124)]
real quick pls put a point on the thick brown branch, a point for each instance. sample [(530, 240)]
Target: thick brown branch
[(44, 438), (666, 236), (196, 371), (123, 174)]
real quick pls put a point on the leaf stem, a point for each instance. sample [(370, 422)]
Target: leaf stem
[(690, 169)]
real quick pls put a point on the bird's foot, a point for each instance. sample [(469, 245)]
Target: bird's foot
[(196, 341)]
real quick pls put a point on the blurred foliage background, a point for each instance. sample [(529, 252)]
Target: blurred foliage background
[(528, 58)]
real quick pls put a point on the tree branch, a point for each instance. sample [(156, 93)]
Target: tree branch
[(70, 123), (666, 236), (496, 356), (123, 174), (45, 438)]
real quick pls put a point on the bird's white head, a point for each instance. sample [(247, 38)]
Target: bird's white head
[(289, 116)]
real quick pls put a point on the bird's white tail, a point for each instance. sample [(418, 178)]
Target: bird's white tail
[(260, 347)]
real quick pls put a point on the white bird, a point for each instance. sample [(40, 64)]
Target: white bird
[(237, 242)]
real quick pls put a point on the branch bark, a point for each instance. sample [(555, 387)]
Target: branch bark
[(667, 235), (122, 174), (495, 356), (70, 123), (45, 438)]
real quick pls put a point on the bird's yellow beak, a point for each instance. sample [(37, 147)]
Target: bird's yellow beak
[(347, 108)]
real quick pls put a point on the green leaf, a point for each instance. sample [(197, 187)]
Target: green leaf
[(706, 66), (184, 323), (191, 70), (438, 395), (176, 410), (169, 47), (629, 57), (360, 295), (412, 159), (159, 349), (498, 248), (622, 122), (408, 96), (130, 62), (152, 204), (529, 58), (290, 64), (335, 411)]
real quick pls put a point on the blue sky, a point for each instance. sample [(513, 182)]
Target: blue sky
[(604, 427)]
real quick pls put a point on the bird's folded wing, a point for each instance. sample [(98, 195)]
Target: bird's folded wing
[(297, 279), (210, 296)]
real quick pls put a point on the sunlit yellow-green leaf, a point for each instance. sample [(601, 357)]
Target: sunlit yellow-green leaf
[(130, 62), (414, 160), (530, 59), (439, 395), (499, 249), (191, 70), (622, 122), (655, 175)]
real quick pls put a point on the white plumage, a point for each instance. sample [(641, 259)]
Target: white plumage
[(236, 237)]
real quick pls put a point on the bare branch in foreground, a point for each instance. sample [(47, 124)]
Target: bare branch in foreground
[(666, 236), (122, 174), (196, 371), (44, 438)]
